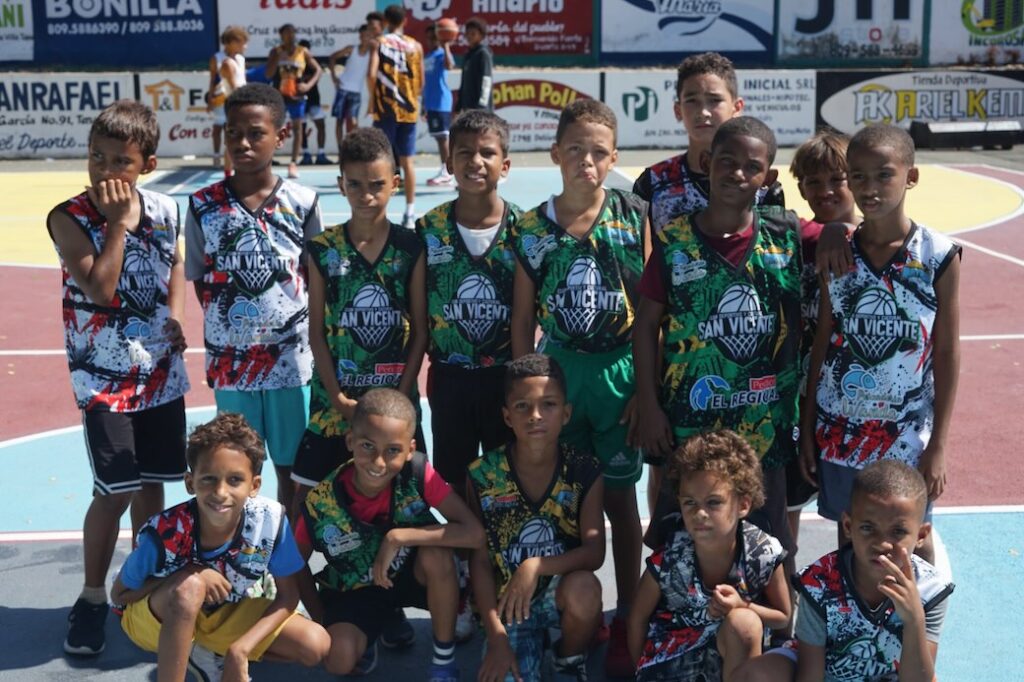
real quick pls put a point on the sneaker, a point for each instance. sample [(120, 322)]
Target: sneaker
[(409, 221), (322, 160), (465, 621), (307, 159), (571, 669), (205, 665), (218, 161), (397, 632), (293, 171), (368, 663), (86, 636), (618, 662), (442, 179), (443, 673)]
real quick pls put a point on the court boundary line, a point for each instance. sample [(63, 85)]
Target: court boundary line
[(1019, 191)]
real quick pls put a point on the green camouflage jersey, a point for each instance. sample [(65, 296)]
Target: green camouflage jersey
[(585, 286), (469, 298), (366, 317), (732, 334)]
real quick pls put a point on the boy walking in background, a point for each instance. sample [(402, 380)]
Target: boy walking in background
[(123, 300), (351, 83), (476, 90), (437, 99)]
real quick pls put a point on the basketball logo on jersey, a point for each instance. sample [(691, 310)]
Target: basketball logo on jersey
[(537, 538), (877, 328), (251, 261), (370, 317), (738, 326), (860, 659), (476, 308), (583, 298), (139, 284)]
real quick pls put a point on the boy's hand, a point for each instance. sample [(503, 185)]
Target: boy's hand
[(175, 336), (901, 588), (514, 605), (655, 432), (631, 418), (809, 458), (345, 406), (833, 253), (117, 201), (385, 555), (724, 599), (236, 666), (499, 661), (932, 466), (217, 586)]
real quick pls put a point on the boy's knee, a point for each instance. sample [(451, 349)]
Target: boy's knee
[(741, 626), (580, 595), (116, 503), (316, 647), (436, 562), (186, 597), (343, 652)]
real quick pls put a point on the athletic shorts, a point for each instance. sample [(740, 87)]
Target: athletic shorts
[(346, 104), (296, 109), (798, 491), (127, 449), (402, 136), (319, 455), (527, 638), (835, 483), (465, 415), (315, 112), (216, 630), (279, 416), (438, 123), (599, 387), (700, 665), (220, 117)]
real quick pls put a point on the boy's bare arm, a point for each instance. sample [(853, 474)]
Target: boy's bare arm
[(524, 313), (308, 593), (176, 303), (237, 656), (776, 612), (419, 333), (371, 78), (655, 432), (332, 61), (809, 403), (122, 594), (644, 602), (322, 358), (308, 84)]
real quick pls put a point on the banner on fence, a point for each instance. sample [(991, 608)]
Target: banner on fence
[(531, 102), (977, 32), (17, 39), (328, 25)]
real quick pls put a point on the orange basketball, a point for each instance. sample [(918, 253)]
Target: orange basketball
[(447, 29)]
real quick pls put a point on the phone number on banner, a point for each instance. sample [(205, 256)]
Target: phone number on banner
[(124, 27)]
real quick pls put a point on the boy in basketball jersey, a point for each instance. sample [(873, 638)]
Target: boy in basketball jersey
[(287, 67), (244, 252), (123, 300), (581, 254)]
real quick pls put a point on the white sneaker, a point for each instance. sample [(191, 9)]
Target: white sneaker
[(409, 221), (442, 179), (465, 621), (205, 665)]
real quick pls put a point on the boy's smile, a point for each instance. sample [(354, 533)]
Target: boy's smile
[(739, 167), (380, 447), (828, 195), (251, 137), (222, 481), (477, 161)]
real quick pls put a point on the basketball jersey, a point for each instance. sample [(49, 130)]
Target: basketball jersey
[(119, 356), (680, 622), (586, 286), (437, 96), (731, 334), (254, 300), (399, 75), (366, 317), (810, 296), (469, 298), (290, 68), (876, 390), (353, 78), (519, 528), (223, 88)]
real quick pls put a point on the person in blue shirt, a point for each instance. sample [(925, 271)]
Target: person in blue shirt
[(437, 100)]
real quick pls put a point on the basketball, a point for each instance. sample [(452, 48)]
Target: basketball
[(877, 302), (447, 30)]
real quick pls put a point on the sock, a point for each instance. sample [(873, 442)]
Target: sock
[(621, 609), (94, 595), (444, 652), (569, 664), (410, 209)]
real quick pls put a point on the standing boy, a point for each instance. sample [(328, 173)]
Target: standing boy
[(315, 114), (581, 254), (437, 99), (351, 83), (475, 91), (244, 251), (123, 299), (227, 74), (287, 66)]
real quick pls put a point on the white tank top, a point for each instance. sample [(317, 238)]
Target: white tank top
[(353, 78), (223, 86)]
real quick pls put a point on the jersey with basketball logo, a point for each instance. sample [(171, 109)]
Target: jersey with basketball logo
[(585, 286), (876, 390), (366, 317), (519, 528), (469, 298), (732, 334), (255, 306), (119, 356), (396, 92)]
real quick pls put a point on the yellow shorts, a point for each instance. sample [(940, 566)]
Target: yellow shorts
[(216, 630)]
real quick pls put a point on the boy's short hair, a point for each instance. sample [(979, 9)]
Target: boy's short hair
[(431, 30), (128, 121), (365, 145), (232, 33), (385, 402), (746, 126), (478, 122), (586, 110), (226, 430), (285, 27), (258, 95), (374, 16), (825, 151), (725, 454), (707, 63), (885, 135), (534, 365), (478, 23), (890, 478), (364, 27), (394, 14)]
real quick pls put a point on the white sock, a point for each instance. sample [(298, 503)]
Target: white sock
[(410, 209)]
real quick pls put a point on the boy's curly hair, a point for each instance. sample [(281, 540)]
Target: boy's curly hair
[(826, 151), (707, 63), (226, 430), (128, 121), (725, 454)]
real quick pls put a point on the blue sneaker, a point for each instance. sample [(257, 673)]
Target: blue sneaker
[(368, 663), (443, 673), (307, 159), (397, 632)]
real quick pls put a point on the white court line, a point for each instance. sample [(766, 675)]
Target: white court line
[(990, 252), (998, 221), (187, 181), (29, 265)]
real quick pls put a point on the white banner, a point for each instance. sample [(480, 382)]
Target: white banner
[(328, 25), (785, 100), (855, 33), (531, 102), (978, 32), (17, 39)]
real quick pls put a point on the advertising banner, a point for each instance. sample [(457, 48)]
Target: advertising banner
[(878, 32), (638, 30), (328, 25), (848, 101), (539, 27), (531, 102), (49, 115), (976, 31), (16, 34)]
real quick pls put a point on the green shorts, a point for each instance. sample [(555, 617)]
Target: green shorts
[(279, 416), (599, 387)]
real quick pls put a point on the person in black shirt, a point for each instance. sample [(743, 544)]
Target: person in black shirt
[(477, 69)]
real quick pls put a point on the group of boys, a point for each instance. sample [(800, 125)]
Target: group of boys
[(696, 281)]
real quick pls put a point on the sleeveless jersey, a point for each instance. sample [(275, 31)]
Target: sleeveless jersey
[(680, 622), (732, 334), (349, 545), (119, 357), (366, 317), (289, 70), (586, 297), (399, 75), (223, 88), (861, 644), (353, 78), (245, 563), (518, 528), (876, 390), (469, 298), (255, 305)]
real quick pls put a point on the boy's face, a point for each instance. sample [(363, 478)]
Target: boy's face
[(585, 154), (882, 526), (739, 167), (711, 508), (879, 180), (380, 447), (474, 36), (222, 481), (368, 186), (252, 138), (477, 162), (535, 410), (287, 36), (111, 159), (431, 41), (828, 195), (234, 47), (376, 28), (704, 104)]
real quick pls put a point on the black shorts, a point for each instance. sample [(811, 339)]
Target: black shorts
[(319, 455), (798, 491), (465, 415), (127, 449)]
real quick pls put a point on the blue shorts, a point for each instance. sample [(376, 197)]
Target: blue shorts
[(527, 638), (835, 486), (296, 109), (402, 136), (438, 123), (279, 416), (346, 104)]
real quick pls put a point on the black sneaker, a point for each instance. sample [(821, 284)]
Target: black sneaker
[(397, 632), (85, 628)]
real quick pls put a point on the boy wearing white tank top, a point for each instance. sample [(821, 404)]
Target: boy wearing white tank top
[(351, 83)]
